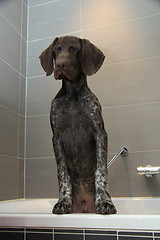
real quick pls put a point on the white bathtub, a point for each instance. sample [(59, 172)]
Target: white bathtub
[(133, 213)]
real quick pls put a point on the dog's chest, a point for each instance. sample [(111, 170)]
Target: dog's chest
[(73, 121), (72, 115), (76, 133)]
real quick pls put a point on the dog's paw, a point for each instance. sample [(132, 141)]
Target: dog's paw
[(62, 207), (105, 207)]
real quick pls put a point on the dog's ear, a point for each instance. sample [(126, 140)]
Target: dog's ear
[(46, 58), (92, 58)]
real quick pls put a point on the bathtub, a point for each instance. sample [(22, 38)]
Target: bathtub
[(133, 213)]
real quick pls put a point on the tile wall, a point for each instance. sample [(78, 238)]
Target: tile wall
[(76, 234), (127, 86), (13, 42)]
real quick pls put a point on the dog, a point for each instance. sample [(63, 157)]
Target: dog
[(79, 137)]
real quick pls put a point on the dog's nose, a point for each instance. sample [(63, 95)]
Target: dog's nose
[(61, 64)]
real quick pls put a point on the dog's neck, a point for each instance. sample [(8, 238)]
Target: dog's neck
[(74, 89)]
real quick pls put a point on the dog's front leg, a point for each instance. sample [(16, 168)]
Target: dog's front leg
[(64, 204), (103, 200)]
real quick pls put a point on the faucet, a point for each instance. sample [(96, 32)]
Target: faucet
[(122, 151), (148, 171)]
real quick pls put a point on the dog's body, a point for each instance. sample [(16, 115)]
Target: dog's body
[(79, 137)]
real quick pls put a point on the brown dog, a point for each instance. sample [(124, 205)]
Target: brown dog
[(79, 137)]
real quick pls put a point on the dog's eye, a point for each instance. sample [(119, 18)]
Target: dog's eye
[(71, 48), (58, 49)]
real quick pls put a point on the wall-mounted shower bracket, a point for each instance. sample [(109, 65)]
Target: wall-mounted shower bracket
[(148, 171), (123, 151)]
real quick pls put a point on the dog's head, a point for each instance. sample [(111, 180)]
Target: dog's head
[(69, 56)]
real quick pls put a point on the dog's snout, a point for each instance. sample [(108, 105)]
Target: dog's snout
[(61, 64)]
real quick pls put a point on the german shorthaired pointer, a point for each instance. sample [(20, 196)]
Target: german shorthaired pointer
[(79, 137)]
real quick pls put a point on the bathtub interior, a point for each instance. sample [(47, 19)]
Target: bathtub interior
[(131, 206)]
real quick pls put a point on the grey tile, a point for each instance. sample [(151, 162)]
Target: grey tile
[(22, 95), (135, 234), (41, 178), (8, 178), (41, 91), (68, 236), (135, 127), (125, 182), (34, 51), (40, 236), (12, 235), (99, 237), (9, 90), (99, 13), (127, 83), (119, 178), (24, 21), (10, 44), (11, 10), (8, 132), (127, 41), (21, 140), (134, 238), (52, 19), (20, 178), (33, 61), (38, 137)]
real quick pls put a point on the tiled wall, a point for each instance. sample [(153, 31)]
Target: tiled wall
[(13, 42), (127, 86), (75, 234)]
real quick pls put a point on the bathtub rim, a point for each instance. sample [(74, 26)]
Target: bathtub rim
[(81, 221)]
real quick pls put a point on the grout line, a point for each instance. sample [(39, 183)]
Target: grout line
[(53, 36), (53, 233), (41, 115), (12, 111), (102, 26), (110, 153), (121, 22), (130, 105), (117, 235), (37, 158), (41, 4), (37, 76), (4, 155), (12, 67), (111, 64), (25, 4), (25, 138), (19, 102), (26, 89), (103, 108), (24, 233), (12, 26), (130, 61), (84, 237)]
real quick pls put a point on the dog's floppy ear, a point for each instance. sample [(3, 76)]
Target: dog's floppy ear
[(92, 58), (46, 58)]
